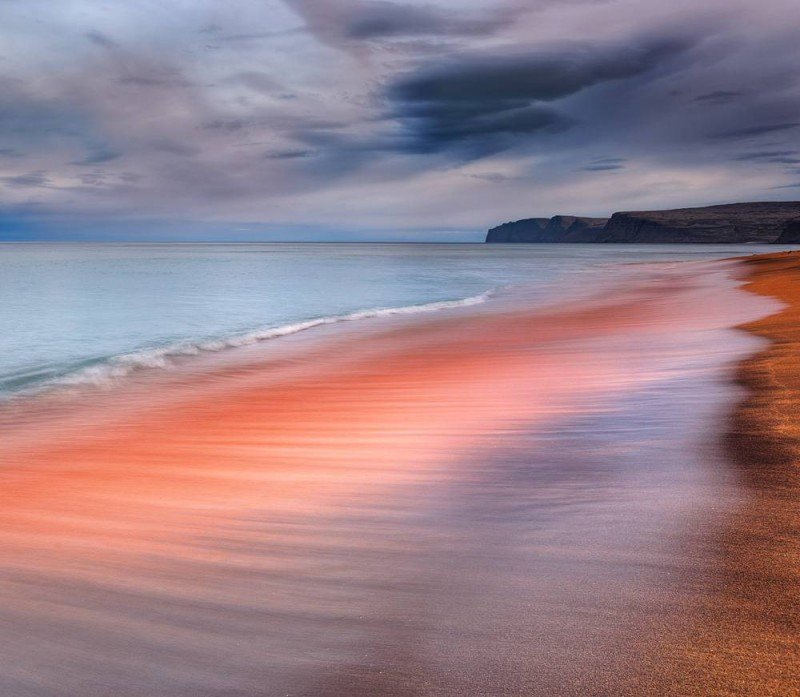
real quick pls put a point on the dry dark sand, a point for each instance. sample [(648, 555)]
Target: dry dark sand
[(497, 501)]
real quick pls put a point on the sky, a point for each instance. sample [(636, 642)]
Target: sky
[(376, 119)]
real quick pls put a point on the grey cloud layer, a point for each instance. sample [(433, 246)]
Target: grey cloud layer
[(409, 113)]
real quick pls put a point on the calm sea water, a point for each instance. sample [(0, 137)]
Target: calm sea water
[(72, 312)]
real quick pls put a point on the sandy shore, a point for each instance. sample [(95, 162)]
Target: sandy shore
[(500, 501), (749, 642)]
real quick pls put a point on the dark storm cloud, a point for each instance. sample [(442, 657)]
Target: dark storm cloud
[(348, 21), (230, 125), (602, 168), (768, 155), (783, 157), (437, 127), (608, 161), (98, 157), (373, 20), (32, 179), (493, 98), (290, 154), (755, 131), (524, 77), (718, 97)]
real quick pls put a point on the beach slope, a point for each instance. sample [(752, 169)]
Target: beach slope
[(762, 545), (498, 500)]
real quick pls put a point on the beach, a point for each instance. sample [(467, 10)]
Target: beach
[(751, 638), (487, 500)]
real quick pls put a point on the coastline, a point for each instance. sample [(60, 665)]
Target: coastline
[(750, 641), (488, 498)]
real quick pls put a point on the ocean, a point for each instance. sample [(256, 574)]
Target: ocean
[(93, 313)]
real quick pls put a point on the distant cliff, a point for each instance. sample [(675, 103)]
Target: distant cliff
[(735, 222), (559, 228), (730, 223), (790, 233)]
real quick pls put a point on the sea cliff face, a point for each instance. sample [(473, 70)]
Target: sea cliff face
[(528, 230), (731, 223), (763, 222), (559, 228), (790, 233)]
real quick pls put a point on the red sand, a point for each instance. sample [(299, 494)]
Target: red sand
[(348, 523)]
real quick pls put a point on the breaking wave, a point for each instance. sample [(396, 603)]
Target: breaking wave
[(107, 371)]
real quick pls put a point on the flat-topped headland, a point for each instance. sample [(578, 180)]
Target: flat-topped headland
[(734, 223)]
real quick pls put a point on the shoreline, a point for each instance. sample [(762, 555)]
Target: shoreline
[(74, 360), (753, 635), (488, 498)]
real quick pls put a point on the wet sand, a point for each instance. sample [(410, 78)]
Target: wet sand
[(747, 639), (493, 501)]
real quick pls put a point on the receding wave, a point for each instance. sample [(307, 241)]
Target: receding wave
[(106, 372)]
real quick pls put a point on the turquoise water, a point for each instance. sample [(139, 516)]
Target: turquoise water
[(72, 313)]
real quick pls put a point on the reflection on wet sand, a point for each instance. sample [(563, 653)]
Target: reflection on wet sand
[(484, 502)]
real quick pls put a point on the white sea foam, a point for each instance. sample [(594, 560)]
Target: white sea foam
[(106, 373)]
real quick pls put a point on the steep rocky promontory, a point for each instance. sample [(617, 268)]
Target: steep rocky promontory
[(559, 228), (738, 223)]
